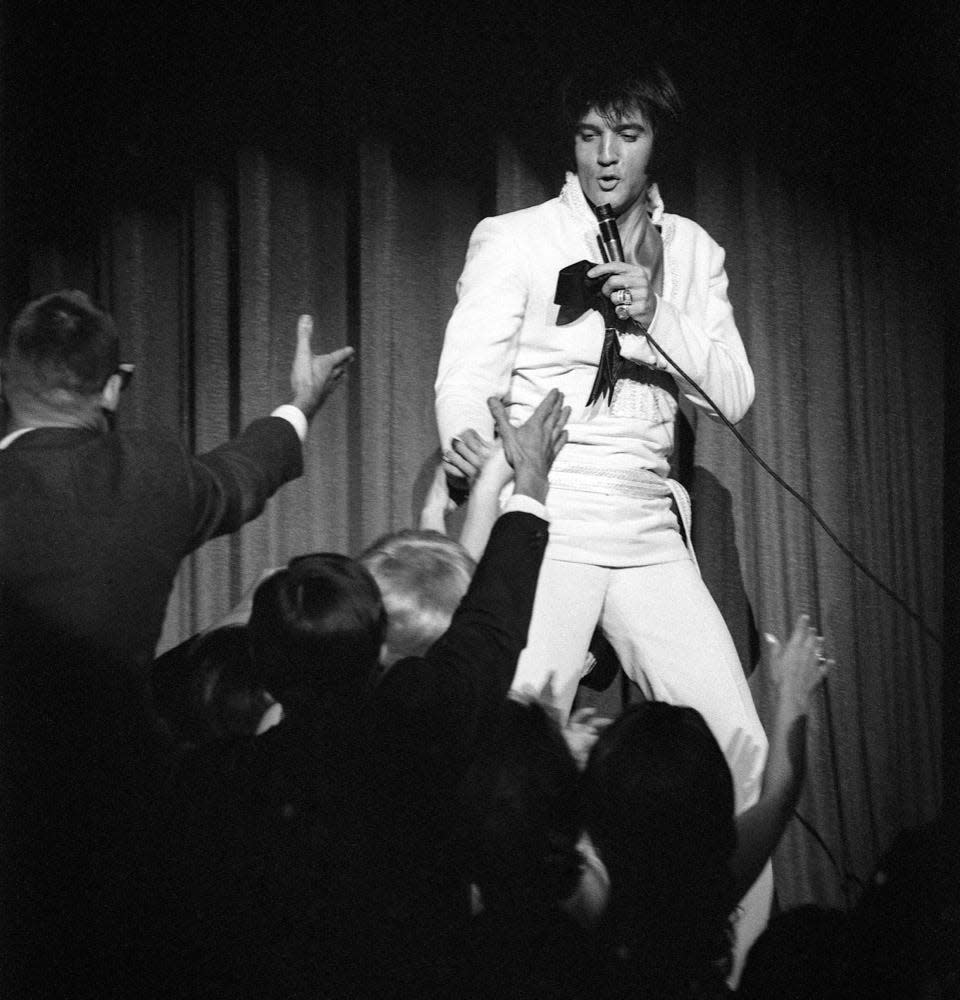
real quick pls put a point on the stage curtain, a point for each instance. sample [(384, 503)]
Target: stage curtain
[(843, 327), (843, 318)]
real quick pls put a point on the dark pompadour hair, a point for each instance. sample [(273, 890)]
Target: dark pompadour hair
[(62, 341), (617, 92), (318, 624)]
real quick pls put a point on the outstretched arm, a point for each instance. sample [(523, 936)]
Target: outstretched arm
[(468, 670), (794, 671), (437, 504), (231, 484), (483, 507), (515, 453)]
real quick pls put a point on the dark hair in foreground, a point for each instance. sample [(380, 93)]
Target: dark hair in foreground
[(660, 809), (317, 625), (205, 693), (616, 92), (61, 342), (521, 823), (808, 952), (521, 799)]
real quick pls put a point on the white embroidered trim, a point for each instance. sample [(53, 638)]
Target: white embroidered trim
[(638, 483), (635, 399), (671, 266)]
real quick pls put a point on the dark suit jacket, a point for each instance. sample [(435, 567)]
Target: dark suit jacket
[(402, 895), (291, 842), (93, 527)]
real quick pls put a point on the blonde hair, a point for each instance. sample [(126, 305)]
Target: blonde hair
[(422, 576)]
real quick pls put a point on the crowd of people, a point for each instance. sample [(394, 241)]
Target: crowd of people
[(366, 782), (337, 796)]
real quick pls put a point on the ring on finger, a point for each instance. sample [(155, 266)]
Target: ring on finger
[(622, 297)]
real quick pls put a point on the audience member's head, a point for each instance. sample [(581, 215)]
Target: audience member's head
[(660, 810), (60, 355), (205, 692), (422, 576), (522, 815), (317, 626), (807, 953), (521, 824), (907, 920)]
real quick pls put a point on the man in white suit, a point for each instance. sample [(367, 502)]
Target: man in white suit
[(616, 556)]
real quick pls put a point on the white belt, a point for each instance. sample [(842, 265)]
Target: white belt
[(637, 484)]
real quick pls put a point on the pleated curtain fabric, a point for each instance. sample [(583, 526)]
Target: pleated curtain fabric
[(844, 321)]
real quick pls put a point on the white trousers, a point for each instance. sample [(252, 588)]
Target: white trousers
[(672, 641)]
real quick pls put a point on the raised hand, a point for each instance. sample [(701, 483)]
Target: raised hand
[(437, 503), (796, 668), (483, 508), (466, 457), (582, 730), (314, 376), (531, 448), (793, 670)]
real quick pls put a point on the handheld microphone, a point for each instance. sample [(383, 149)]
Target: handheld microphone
[(610, 246), (609, 239)]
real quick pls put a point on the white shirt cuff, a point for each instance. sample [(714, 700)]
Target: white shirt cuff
[(294, 415), (13, 435), (521, 502)]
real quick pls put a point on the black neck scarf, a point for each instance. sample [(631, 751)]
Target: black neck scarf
[(575, 294)]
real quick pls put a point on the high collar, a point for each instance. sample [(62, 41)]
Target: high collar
[(573, 197)]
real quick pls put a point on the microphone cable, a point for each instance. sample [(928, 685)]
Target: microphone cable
[(805, 503), (611, 249), (846, 877)]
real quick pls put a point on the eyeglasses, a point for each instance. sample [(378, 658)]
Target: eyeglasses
[(126, 373)]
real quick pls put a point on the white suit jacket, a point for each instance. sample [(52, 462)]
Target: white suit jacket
[(502, 339)]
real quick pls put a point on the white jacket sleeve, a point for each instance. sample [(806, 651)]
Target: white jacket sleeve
[(701, 338), (483, 333)]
